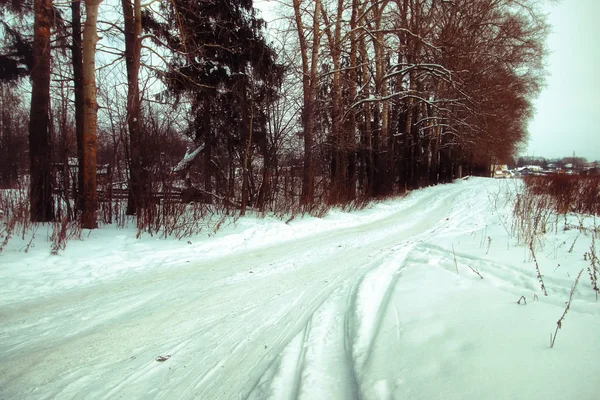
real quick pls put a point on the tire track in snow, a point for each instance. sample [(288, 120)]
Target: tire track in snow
[(229, 332), (384, 241), (500, 275), (371, 301), (363, 305)]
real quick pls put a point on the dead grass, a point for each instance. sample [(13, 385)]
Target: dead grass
[(14, 216), (540, 206), (545, 198), (568, 193)]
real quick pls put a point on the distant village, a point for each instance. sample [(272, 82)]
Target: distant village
[(540, 166)]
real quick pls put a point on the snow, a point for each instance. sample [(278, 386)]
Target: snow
[(366, 304), (188, 158)]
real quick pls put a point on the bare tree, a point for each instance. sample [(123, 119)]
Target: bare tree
[(138, 187), (89, 216), (13, 136), (41, 201), (78, 89), (310, 84)]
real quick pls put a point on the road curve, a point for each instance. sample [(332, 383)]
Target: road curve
[(222, 322)]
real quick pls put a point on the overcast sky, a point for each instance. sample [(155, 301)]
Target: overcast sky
[(567, 114)]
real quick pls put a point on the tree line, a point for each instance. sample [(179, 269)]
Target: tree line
[(339, 101), (552, 163)]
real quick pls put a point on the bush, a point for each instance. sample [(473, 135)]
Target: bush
[(567, 193)]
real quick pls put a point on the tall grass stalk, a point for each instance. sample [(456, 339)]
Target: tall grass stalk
[(562, 318)]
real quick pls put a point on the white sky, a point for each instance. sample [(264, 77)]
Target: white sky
[(567, 110)]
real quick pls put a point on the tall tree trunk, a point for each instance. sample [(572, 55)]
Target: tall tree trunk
[(41, 200), (367, 134), (310, 86), (245, 172), (89, 215), (409, 137), (383, 178), (207, 160), (338, 164), (349, 130), (78, 89), (138, 185)]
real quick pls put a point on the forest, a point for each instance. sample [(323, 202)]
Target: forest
[(150, 108)]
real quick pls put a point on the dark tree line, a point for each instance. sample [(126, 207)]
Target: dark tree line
[(367, 98), (417, 92)]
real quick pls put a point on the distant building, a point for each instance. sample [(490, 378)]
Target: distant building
[(590, 168), (500, 171), (530, 170)]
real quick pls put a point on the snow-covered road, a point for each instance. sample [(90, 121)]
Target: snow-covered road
[(342, 313)]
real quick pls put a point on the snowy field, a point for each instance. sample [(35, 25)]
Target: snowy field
[(381, 303)]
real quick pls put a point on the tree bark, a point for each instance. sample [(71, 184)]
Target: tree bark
[(245, 172), (382, 178), (41, 199), (310, 86), (89, 215), (349, 126), (207, 156), (78, 90), (339, 154), (138, 185), (367, 133)]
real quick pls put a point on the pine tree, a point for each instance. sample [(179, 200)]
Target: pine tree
[(227, 69)]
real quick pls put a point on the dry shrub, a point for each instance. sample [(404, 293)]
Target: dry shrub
[(360, 203), (532, 217), (568, 193), (545, 197), (543, 200), (172, 218), (63, 231), (594, 267), (14, 214), (15, 221)]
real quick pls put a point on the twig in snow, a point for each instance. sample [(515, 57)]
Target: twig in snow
[(475, 271), (522, 298), (455, 263), (557, 267)]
